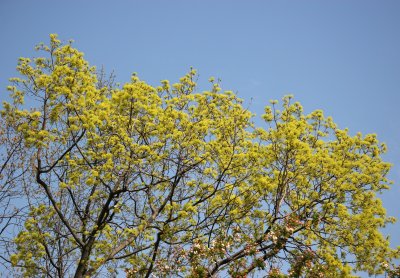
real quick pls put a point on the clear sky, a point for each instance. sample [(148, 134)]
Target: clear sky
[(339, 56)]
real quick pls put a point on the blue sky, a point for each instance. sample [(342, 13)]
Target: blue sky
[(339, 56)]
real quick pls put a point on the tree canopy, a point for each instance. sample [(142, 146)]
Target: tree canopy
[(169, 181)]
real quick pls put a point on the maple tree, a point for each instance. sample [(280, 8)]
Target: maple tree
[(168, 181)]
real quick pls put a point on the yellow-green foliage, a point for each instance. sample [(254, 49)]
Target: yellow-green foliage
[(172, 181)]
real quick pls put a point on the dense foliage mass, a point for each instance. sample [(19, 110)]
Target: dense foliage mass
[(171, 182)]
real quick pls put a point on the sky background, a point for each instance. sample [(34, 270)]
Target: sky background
[(339, 56)]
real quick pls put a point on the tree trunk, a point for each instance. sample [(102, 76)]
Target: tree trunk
[(83, 264)]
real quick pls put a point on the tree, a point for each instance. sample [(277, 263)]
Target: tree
[(11, 151), (167, 181)]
